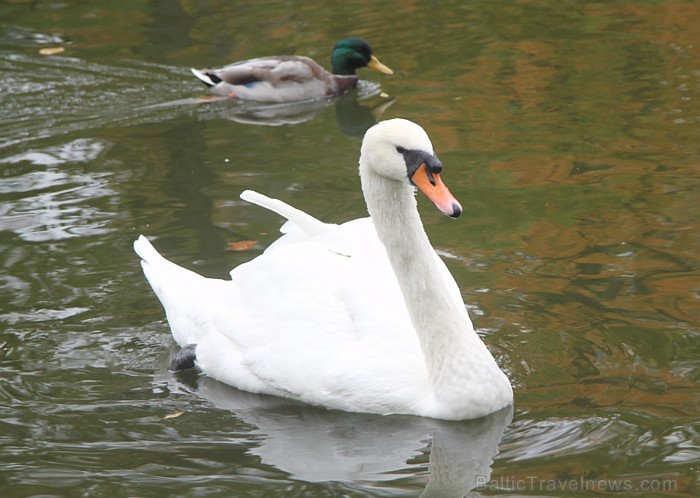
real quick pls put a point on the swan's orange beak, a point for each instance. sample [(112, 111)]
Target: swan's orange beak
[(431, 185)]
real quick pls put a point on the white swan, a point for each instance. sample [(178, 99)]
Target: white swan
[(362, 317)]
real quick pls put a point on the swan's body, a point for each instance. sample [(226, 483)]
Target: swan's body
[(289, 78), (362, 316)]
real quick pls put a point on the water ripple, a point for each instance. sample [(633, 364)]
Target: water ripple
[(48, 97), (54, 203)]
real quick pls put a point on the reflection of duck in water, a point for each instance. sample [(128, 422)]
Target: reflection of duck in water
[(355, 112), (290, 78), (359, 450), (361, 317), (354, 118)]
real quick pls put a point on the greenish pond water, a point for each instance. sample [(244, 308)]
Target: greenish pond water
[(569, 131)]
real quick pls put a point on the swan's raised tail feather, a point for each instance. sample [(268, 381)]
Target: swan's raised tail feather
[(146, 251), (150, 260), (307, 223), (189, 299), (160, 272)]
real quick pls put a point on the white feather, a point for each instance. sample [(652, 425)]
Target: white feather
[(202, 77)]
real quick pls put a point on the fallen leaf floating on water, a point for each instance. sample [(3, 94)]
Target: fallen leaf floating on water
[(242, 245), (52, 50), (173, 415)]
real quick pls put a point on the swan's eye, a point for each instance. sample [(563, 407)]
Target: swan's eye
[(400, 149)]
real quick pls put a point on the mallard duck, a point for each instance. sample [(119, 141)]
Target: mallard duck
[(362, 316), (289, 78)]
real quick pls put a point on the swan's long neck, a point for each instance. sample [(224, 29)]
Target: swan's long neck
[(454, 354)]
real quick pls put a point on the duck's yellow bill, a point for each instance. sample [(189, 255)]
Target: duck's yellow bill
[(378, 66)]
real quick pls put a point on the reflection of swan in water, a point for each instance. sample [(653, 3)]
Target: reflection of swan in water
[(317, 445)]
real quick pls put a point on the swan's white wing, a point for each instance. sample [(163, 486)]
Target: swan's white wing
[(315, 320), (321, 320)]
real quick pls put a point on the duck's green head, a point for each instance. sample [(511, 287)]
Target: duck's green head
[(352, 53)]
